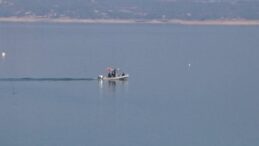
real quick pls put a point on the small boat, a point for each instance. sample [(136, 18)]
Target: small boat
[(113, 75), (120, 77)]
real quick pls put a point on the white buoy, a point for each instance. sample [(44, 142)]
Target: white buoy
[(3, 54)]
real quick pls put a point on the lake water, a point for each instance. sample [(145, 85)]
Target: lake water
[(188, 85)]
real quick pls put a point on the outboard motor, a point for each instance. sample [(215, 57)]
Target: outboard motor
[(100, 77)]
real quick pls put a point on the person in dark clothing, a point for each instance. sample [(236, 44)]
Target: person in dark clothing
[(109, 75), (114, 73)]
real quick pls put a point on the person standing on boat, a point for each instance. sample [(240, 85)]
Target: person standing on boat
[(109, 74), (114, 72)]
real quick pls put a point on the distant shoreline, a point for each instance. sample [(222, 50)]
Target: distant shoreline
[(224, 22)]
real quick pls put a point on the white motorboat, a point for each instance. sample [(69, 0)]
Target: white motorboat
[(113, 75), (120, 77)]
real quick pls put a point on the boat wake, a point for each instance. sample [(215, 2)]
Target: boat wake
[(45, 79)]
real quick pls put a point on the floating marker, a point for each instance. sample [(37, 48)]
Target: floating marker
[(3, 54)]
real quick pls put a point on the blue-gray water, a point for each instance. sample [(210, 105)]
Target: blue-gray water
[(188, 85)]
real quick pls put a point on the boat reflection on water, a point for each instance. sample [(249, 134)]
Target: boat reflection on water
[(113, 87), (111, 103)]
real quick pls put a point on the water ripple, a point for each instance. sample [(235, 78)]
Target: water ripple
[(26, 79)]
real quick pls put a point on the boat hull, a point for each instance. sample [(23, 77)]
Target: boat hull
[(125, 77)]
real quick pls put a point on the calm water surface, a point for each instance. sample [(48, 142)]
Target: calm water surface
[(188, 85)]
